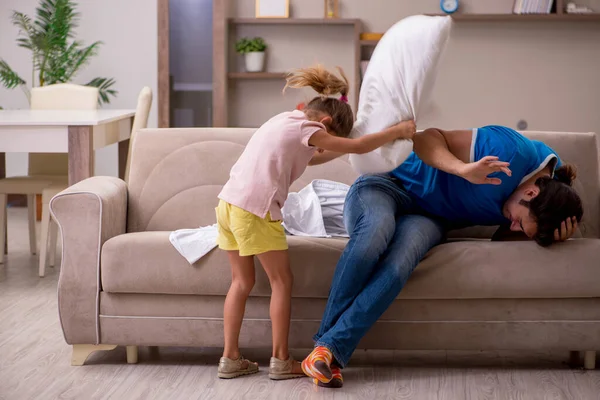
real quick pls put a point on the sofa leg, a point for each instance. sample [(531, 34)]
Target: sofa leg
[(589, 360), (82, 351), (574, 359), (132, 354)]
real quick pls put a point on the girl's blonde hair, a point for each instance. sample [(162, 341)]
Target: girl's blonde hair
[(326, 84)]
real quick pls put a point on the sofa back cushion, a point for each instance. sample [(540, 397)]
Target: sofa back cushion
[(176, 175), (582, 150)]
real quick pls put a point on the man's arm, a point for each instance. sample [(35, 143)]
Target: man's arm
[(449, 151)]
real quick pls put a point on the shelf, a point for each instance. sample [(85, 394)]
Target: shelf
[(192, 87), (367, 43), (256, 75), (294, 21), (524, 17)]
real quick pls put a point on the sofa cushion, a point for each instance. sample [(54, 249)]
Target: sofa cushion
[(146, 262), (174, 183)]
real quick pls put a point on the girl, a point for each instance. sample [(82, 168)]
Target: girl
[(249, 211)]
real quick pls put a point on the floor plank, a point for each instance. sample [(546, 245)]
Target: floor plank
[(35, 361)]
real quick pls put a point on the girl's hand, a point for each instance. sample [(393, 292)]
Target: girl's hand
[(404, 130)]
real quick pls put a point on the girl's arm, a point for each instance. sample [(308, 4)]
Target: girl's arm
[(364, 144), (324, 156)]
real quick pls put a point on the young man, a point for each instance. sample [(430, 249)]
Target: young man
[(487, 176)]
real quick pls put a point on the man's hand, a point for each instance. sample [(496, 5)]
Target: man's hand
[(477, 172), (566, 230)]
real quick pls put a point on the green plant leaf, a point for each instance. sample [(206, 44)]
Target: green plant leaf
[(57, 57), (104, 86), (55, 21), (82, 58), (246, 45), (9, 78), (27, 30)]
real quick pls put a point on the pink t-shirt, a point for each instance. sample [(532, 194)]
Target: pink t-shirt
[(276, 155)]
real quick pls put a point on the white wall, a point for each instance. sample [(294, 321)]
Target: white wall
[(129, 54)]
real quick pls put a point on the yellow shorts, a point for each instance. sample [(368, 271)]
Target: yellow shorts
[(246, 232)]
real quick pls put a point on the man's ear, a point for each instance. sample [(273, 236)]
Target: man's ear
[(532, 192)]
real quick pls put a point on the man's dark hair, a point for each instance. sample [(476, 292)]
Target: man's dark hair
[(556, 202)]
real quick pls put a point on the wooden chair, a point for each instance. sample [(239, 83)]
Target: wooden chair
[(49, 227), (44, 169)]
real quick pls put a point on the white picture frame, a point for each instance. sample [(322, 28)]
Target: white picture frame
[(272, 8)]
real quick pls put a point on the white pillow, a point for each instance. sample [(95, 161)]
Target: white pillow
[(397, 86)]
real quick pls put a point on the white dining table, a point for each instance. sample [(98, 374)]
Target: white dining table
[(77, 133)]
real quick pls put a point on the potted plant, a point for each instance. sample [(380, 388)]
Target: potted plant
[(254, 53), (56, 56)]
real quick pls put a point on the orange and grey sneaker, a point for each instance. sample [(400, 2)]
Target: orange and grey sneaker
[(317, 364), (337, 381)]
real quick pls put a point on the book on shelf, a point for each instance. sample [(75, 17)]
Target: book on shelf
[(533, 6)]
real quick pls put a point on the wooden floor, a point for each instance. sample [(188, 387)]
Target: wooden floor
[(34, 361)]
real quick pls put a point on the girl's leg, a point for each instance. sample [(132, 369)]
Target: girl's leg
[(277, 267), (242, 282)]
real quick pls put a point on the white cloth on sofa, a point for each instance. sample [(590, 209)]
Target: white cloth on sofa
[(193, 244), (316, 211)]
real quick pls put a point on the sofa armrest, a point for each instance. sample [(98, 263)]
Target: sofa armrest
[(88, 214)]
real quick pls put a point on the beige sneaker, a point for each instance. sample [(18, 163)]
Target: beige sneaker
[(280, 370), (229, 368)]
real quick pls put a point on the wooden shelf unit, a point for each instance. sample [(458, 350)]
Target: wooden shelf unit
[(222, 77), (558, 17), (256, 75), (222, 25), (294, 21), (367, 43), (563, 17)]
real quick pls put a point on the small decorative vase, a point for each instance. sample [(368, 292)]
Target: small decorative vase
[(255, 61)]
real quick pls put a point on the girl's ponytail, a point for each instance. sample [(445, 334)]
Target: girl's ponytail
[(322, 81), (326, 84)]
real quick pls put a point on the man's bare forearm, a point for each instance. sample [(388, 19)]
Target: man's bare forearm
[(433, 149)]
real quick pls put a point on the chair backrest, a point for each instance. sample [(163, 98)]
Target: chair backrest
[(62, 96), (140, 121)]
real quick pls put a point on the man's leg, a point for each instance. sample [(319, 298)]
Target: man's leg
[(372, 206), (414, 236)]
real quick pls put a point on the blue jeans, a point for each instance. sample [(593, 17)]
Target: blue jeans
[(388, 238)]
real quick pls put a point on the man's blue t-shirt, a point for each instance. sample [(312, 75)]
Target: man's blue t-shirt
[(459, 201)]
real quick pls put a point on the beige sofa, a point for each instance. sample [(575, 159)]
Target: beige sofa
[(122, 282)]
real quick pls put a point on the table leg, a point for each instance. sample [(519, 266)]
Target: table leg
[(124, 148), (81, 153), (3, 175), (123, 154)]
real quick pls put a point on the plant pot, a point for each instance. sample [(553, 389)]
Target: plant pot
[(255, 61)]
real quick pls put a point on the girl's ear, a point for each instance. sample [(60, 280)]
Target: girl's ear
[(326, 120)]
